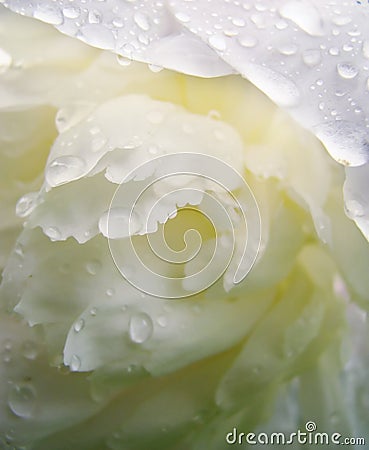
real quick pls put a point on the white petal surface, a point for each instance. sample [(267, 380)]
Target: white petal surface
[(310, 57)]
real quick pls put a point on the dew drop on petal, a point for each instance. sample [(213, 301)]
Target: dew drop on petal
[(247, 41), (53, 233), (354, 209), (162, 321), (93, 267), (154, 68), (79, 325), (29, 350), (118, 223), (26, 204), (123, 61), (71, 12), (64, 169), (94, 16), (311, 57), (22, 400), (140, 328), (347, 71)]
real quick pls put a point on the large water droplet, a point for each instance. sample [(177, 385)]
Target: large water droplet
[(26, 204), (140, 328), (118, 223), (347, 71), (64, 169), (53, 233), (22, 400)]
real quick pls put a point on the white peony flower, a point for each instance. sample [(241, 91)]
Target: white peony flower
[(186, 264)]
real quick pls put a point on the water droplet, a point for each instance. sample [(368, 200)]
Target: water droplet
[(311, 57), (53, 233), (281, 25), (71, 12), (75, 363), (26, 204), (354, 209), (140, 328), (347, 71), (154, 68), (341, 20), (141, 21), (110, 292), (79, 325), (347, 47), (153, 150), (94, 16), (93, 267), (93, 312), (247, 41), (5, 61), (217, 41), (8, 345), (22, 400), (64, 169), (29, 350), (118, 223), (288, 49), (49, 14), (334, 51), (98, 139), (123, 61), (238, 22), (182, 17), (162, 321)]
